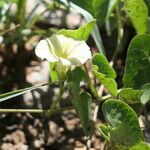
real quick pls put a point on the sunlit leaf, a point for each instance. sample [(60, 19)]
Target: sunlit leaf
[(130, 95), (103, 66), (104, 73), (148, 6), (146, 95), (104, 130), (76, 75), (141, 146), (138, 14), (53, 72), (21, 7), (123, 121), (137, 69), (80, 34)]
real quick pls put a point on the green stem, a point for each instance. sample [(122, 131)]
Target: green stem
[(43, 110), (31, 110), (92, 88), (108, 27), (53, 107), (105, 97), (120, 32), (21, 8), (22, 111)]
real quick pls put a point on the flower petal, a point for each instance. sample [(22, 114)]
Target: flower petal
[(44, 50), (80, 53), (63, 45), (64, 62), (63, 49)]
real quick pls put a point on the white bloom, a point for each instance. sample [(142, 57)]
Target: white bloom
[(64, 50)]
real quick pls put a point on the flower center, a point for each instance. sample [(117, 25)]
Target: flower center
[(61, 54), (64, 55)]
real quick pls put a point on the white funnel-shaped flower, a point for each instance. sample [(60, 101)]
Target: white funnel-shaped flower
[(64, 50)]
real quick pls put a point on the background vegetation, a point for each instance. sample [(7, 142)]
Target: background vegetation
[(23, 23)]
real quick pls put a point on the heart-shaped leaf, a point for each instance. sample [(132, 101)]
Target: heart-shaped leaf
[(138, 14), (141, 146), (125, 129), (137, 69)]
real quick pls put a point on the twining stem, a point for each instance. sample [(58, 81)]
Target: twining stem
[(92, 88), (53, 107)]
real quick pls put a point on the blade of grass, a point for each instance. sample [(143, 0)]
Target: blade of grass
[(15, 93), (21, 6)]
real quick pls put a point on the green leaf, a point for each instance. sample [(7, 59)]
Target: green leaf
[(53, 72), (137, 69), (98, 8), (146, 95), (109, 83), (138, 14), (104, 130), (82, 102), (148, 5), (80, 34), (104, 73), (85, 111), (148, 24), (15, 93), (130, 95), (103, 66), (88, 17), (125, 129), (141, 146), (76, 75), (83, 106), (21, 6)]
